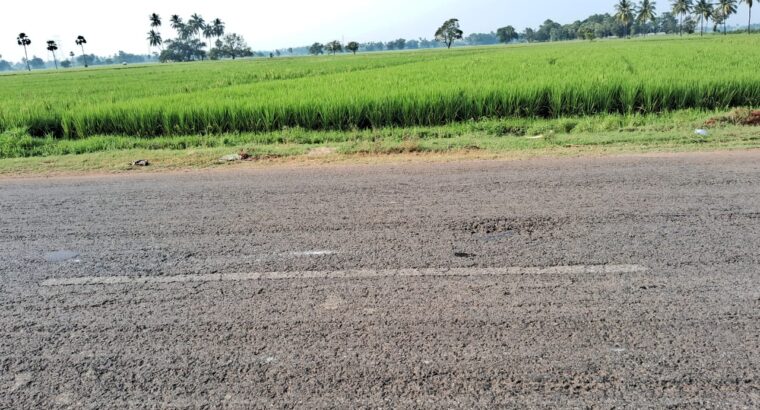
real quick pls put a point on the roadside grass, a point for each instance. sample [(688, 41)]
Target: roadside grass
[(511, 138)]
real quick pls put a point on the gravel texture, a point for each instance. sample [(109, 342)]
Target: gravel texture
[(683, 330)]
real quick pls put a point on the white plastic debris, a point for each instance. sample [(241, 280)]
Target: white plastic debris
[(701, 132)]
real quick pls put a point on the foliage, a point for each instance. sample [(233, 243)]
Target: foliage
[(424, 88), (334, 47), (352, 47), (232, 46), (183, 50), (507, 34), (449, 32), (317, 49)]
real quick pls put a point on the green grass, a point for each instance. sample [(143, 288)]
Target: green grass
[(17, 143), (274, 101)]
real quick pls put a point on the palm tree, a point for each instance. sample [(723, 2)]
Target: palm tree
[(81, 41), (154, 38), (196, 23), (647, 12), (52, 47), (24, 41), (750, 3), (704, 10), (681, 8), (71, 56), (218, 26), (155, 20), (727, 8), (624, 14), (179, 25)]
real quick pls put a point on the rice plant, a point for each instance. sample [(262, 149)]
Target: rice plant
[(423, 88)]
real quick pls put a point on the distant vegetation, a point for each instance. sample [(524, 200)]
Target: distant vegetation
[(392, 89), (194, 37)]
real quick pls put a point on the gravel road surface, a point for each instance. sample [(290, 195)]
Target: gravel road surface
[(607, 282)]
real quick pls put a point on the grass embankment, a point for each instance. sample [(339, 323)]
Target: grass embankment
[(513, 138)]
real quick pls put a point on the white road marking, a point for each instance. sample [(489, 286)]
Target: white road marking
[(346, 274), (313, 253)]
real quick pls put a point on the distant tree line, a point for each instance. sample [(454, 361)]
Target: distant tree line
[(629, 19)]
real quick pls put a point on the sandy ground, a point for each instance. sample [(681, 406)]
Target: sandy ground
[(620, 281)]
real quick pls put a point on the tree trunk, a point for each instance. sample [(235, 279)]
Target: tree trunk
[(749, 24), (55, 61), (84, 56), (28, 67)]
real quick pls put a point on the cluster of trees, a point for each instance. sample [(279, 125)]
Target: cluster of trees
[(688, 12), (189, 44), (35, 62), (629, 18), (447, 34)]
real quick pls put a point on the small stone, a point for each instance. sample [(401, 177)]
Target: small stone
[(231, 158)]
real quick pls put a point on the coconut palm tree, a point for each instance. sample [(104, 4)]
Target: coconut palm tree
[(196, 24), (81, 41), (704, 10), (179, 25), (647, 12), (71, 56), (24, 41), (155, 20), (750, 3), (727, 8), (624, 14), (154, 38), (218, 26), (53, 47), (681, 8)]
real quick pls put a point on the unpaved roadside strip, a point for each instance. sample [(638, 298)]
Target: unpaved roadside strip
[(344, 274)]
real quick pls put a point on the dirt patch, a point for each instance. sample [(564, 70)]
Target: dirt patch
[(740, 116), (321, 152), (503, 227)]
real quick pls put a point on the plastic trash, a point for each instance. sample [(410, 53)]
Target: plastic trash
[(702, 132)]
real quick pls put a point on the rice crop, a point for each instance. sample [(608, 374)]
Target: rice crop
[(419, 88)]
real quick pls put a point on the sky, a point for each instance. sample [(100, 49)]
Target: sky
[(110, 26)]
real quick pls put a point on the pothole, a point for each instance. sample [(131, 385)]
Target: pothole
[(497, 229)]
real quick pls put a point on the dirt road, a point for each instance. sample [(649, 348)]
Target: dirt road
[(626, 281)]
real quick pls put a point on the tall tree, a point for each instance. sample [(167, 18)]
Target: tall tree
[(81, 41), (749, 3), (154, 38), (727, 8), (53, 47), (218, 28), (182, 29), (71, 57), (647, 12), (704, 10), (352, 47), (624, 14), (317, 49), (507, 34), (681, 8), (195, 24), (24, 41), (449, 32), (155, 20), (334, 47)]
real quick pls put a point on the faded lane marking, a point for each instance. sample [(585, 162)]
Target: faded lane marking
[(313, 253), (346, 274)]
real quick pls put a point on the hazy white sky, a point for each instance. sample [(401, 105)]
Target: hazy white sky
[(122, 25)]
